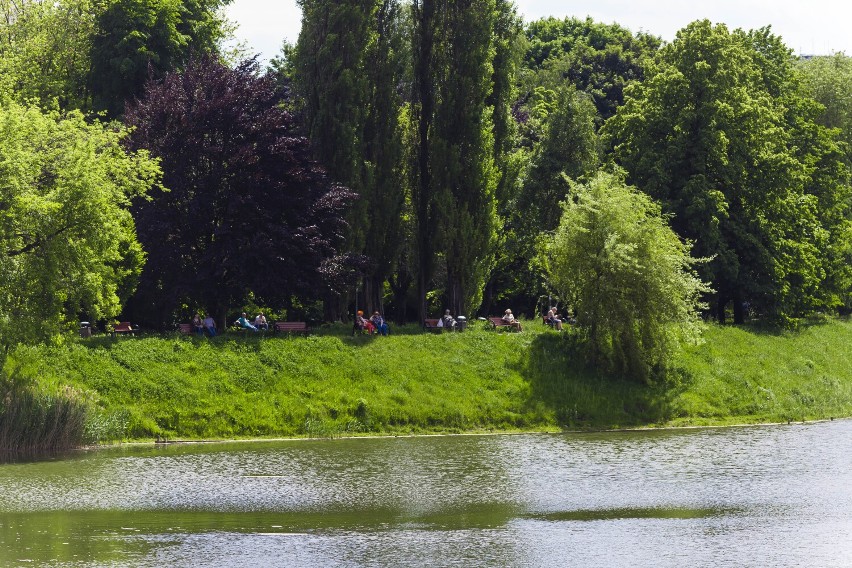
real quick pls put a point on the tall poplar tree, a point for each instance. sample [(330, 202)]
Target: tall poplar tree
[(348, 64), (460, 97)]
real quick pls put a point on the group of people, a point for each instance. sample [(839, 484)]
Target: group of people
[(207, 325), (260, 323), (204, 325), (374, 324)]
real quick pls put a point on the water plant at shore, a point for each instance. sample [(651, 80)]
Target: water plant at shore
[(38, 419)]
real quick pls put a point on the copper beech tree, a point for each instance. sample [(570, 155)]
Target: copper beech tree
[(246, 209)]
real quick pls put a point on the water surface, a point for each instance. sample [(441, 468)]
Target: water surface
[(754, 496)]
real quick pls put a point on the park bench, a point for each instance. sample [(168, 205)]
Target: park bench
[(185, 328), (432, 325), (123, 328), (498, 323), (291, 327)]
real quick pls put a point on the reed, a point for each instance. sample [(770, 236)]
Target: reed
[(36, 419)]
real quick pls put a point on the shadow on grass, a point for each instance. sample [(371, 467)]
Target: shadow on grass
[(766, 328), (583, 397)]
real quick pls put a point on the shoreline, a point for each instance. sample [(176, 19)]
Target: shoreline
[(472, 433)]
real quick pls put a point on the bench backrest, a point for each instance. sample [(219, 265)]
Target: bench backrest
[(430, 323), (185, 328), (497, 321), (122, 327), (291, 326)]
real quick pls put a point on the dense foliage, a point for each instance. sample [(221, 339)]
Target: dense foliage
[(596, 58), (94, 55), (67, 239), (628, 277), (136, 39), (720, 134), (462, 131), (247, 210), (44, 51), (355, 116)]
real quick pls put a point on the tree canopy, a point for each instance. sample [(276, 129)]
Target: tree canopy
[(599, 59), (247, 209), (67, 239), (135, 38), (713, 135)]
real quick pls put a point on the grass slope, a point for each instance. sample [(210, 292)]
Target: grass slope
[(411, 382)]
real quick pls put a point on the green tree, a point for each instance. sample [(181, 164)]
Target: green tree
[(569, 146), (347, 67), (829, 81), (135, 38), (628, 277), (456, 177), (712, 133), (67, 239), (599, 59), (44, 51)]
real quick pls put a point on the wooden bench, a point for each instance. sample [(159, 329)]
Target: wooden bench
[(185, 328), (291, 327), (123, 328), (498, 323), (432, 325)]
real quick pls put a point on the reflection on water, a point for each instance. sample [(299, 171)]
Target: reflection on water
[(758, 496)]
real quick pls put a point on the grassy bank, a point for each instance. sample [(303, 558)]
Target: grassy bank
[(411, 382)]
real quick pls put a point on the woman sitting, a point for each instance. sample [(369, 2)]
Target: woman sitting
[(553, 320), (511, 321), (363, 324), (379, 322)]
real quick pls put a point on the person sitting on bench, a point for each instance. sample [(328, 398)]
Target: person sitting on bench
[(553, 320), (198, 324), (510, 319), (363, 324), (379, 322), (244, 323), (210, 325), (447, 321)]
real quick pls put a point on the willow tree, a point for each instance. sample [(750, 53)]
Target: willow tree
[(626, 274)]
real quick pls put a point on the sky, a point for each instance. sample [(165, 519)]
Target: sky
[(813, 27)]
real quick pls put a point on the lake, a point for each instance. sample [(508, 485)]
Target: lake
[(750, 496)]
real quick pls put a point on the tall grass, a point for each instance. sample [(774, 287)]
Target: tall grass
[(34, 419)]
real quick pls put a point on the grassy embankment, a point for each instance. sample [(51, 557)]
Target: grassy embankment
[(332, 384)]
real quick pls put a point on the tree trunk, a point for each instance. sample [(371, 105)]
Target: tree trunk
[(739, 313), (721, 302)]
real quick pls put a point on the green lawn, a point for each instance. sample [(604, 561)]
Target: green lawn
[(331, 384)]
